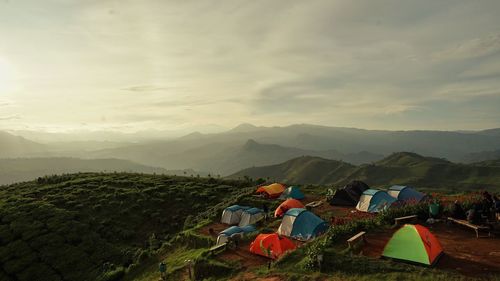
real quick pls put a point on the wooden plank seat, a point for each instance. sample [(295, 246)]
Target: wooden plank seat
[(476, 228), (313, 204), (218, 248), (353, 241), (400, 220)]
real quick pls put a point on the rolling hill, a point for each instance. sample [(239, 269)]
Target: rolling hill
[(398, 168), (23, 169), (98, 226)]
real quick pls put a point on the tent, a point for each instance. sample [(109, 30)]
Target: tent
[(349, 195), (271, 245), (272, 191), (292, 192), (301, 224), (287, 205), (251, 216), (413, 243), (234, 231), (373, 201), (232, 214), (406, 193)]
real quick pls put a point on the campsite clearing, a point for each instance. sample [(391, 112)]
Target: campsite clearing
[(463, 252)]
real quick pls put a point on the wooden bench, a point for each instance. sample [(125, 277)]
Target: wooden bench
[(216, 248), (476, 228), (313, 204), (400, 220), (353, 241)]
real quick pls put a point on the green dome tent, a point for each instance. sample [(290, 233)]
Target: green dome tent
[(413, 243)]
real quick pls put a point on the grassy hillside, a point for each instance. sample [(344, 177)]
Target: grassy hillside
[(97, 226), (22, 169), (304, 170), (398, 168)]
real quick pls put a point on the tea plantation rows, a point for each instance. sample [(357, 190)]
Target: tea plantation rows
[(93, 226)]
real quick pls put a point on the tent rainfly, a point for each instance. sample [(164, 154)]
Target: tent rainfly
[(349, 195), (373, 201), (287, 205), (251, 216), (406, 194), (413, 243), (301, 224), (271, 245), (292, 192), (234, 231), (232, 214), (271, 191)]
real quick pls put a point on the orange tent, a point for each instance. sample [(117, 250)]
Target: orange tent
[(271, 245), (272, 191), (287, 205)]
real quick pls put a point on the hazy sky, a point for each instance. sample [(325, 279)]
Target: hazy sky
[(133, 65)]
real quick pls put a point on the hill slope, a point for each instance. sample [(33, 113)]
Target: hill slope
[(23, 169), (94, 226), (398, 168)]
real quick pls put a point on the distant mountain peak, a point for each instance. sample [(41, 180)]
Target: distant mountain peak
[(251, 144), (244, 127), (193, 135)]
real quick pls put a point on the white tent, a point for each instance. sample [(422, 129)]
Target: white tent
[(251, 216), (232, 215)]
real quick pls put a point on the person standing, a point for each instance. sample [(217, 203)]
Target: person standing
[(163, 270), (266, 210)]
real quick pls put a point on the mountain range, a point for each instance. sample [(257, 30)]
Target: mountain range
[(399, 168), (251, 146)]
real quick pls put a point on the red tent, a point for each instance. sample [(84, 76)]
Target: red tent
[(287, 205), (271, 245)]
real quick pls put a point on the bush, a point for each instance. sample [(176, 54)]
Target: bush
[(205, 268)]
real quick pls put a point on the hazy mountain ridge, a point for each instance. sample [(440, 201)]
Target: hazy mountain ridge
[(23, 169), (398, 168), (16, 146), (225, 153)]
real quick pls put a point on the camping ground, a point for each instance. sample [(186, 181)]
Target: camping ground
[(465, 256)]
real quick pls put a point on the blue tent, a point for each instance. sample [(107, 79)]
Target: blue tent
[(231, 230), (248, 228), (405, 193), (292, 192), (234, 231), (301, 224), (373, 201)]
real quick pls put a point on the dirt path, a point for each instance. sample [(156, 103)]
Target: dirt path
[(243, 255), (463, 251)]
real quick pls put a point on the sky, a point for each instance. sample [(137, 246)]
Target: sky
[(210, 65)]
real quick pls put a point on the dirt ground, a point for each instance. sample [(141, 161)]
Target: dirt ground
[(464, 252)]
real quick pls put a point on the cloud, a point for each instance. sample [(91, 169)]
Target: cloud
[(473, 48), (157, 64), (146, 88), (9, 117)]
